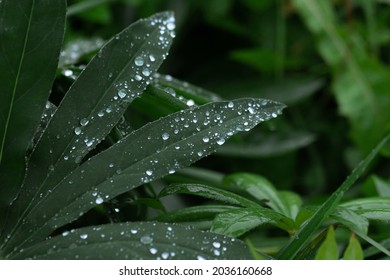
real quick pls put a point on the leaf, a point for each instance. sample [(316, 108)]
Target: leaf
[(237, 222), (375, 208), (351, 219), (268, 146), (292, 201), (194, 213), (328, 249), (141, 240), (259, 188), (303, 235), (76, 49), (360, 82), (208, 192), (149, 153), (30, 45), (354, 250), (382, 186), (371, 251), (93, 105)]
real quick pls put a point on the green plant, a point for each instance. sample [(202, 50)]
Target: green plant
[(57, 163)]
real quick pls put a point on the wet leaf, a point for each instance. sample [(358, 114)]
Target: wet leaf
[(93, 105), (30, 46), (141, 240), (149, 153), (328, 249)]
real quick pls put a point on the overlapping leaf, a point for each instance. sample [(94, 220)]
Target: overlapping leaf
[(151, 152)]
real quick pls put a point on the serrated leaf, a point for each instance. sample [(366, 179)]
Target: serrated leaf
[(328, 249), (194, 213), (141, 240), (259, 188), (305, 232), (93, 105), (354, 250), (30, 46), (151, 152), (237, 222)]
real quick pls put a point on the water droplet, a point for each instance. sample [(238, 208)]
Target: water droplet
[(108, 110), (139, 61), (99, 200), (217, 252), (77, 130), (171, 26), (206, 139), (200, 258), (251, 110), (133, 231), (146, 72), (149, 172), (153, 251), (221, 141), (200, 153), (172, 171), (152, 58), (84, 236), (138, 77), (122, 93), (230, 104), (216, 244), (66, 157), (165, 136), (84, 122), (101, 114), (165, 255), (190, 103), (51, 167), (146, 239), (111, 165), (65, 233)]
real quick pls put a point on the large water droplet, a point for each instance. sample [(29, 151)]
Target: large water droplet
[(216, 244), (84, 236), (77, 130), (99, 200), (152, 58), (220, 141), (146, 239), (84, 122), (122, 93), (153, 251), (149, 172), (139, 61), (206, 139), (165, 136)]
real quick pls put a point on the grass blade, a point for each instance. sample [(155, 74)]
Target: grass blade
[(304, 234)]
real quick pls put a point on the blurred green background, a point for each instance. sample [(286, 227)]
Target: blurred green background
[(327, 60)]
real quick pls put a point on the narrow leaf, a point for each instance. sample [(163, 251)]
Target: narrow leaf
[(354, 250), (93, 105), (328, 249), (350, 219), (31, 35), (149, 153), (142, 240), (306, 231)]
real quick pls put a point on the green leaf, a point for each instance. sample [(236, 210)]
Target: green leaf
[(292, 201), (371, 251), (141, 240), (351, 220), (269, 145), (375, 208), (208, 192), (30, 45), (237, 222), (259, 188), (194, 213), (149, 153), (328, 249), (382, 186), (306, 231), (77, 49), (93, 106), (354, 250)]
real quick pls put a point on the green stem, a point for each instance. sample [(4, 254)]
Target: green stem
[(84, 6)]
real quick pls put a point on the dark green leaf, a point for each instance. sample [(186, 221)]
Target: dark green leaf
[(31, 35), (195, 213), (292, 201), (93, 105), (259, 188), (354, 250), (328, 249), (208, 192), (270, 145), (306, 231), (149, 153), (237, 222), (76, 49), (140, 240), (375, 208)]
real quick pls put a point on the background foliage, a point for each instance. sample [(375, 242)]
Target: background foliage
[(326, 60)]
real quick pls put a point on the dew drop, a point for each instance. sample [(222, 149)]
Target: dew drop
[(133, 231), (122, 93), (99, 200), (230, 104), (139, 61), (206, 139), (153, 251), (152, 58), (172, 171), (84, 122), (216, 244), (77, 130), (171, 26), (165, 136), (146, 239), (101, 114), (149, 172), (84, 236), (190, 103), (146, 72), (221, 141), (165, 255), (200, 257), (217, 252), (65, 233), (138, 77)]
